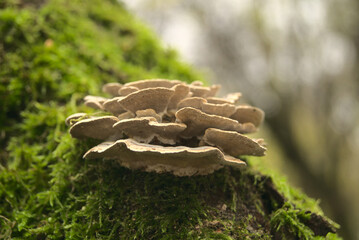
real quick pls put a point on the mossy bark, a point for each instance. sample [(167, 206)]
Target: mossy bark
[(54, 52)]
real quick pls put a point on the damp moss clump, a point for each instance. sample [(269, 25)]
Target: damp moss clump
[(48, 51)]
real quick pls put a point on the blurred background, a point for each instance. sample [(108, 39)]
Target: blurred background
[(298, 61)]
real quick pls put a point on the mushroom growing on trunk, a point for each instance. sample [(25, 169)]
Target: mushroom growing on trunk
[(164, 125)]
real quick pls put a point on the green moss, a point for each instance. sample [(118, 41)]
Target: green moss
[(63, 47), (288, 219), (285, 221), (288, 222), (295, 196), (49, 190), (50, 50), (53, 192)]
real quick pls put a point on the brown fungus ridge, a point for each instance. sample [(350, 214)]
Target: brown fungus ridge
[(233, 143), (224, 109), (154, 98), (181, 91), (125, 90), (72, 119), (112, 105), (112, 88), (153, 83), (248, 114), (198, 90), (180, 160), (220, 109), (196, 83), (96, 128), (194, 102), (101, 100), (233, 97), (94, 105), (213, 90), (125, 115), (147, 128), (197, 122), (95, 102), (217, 100), (148, 113)]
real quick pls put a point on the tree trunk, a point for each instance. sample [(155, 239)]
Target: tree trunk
[(54, 52)]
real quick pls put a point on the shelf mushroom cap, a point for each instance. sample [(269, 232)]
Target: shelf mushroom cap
[(113, 106), (153, 83), (95, 102), (199, 91), (217, 100), (194, 102), (154, 98), (197, 122), (125, 115), (147, 128), (180, 160), (181, 91), (148, 113), (224, 109), (96, 128), (125, 90), (70, 120), (245, 114), (219, 109), (213, 90), (233, 143), (100, 100), (196, 83), (233, 97), (112, 88), (195, 132)]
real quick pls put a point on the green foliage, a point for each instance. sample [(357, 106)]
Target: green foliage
[(287, 222), (64, 47), (50, 50)]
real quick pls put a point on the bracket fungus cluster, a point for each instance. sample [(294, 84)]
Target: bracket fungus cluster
[(169, 126)]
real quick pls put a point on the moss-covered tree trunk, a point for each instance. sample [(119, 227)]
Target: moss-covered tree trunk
[(54, 52)]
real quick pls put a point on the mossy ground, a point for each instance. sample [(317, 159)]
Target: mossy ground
[(52, 53)]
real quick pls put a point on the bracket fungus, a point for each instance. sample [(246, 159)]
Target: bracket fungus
[(161, 125)]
